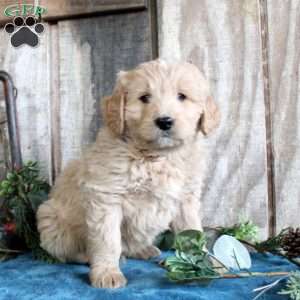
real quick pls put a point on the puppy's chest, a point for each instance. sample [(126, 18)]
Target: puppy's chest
[(155, 180), (153, 194)]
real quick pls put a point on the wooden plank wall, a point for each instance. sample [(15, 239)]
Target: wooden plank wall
[(66, 9), (284, 63), (248, 50), (91, 65), (222, 38), (61, 82), (30, 68)]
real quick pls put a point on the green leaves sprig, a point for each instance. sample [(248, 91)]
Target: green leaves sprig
[(23, 191), (191, 261), (246, 231), (272, 244), (187, 267)]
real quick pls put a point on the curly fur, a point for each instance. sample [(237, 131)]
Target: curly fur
[(135, 181)]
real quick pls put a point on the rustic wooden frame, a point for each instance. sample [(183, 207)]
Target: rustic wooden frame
[(10, 92), (268, 115), (61, 10)]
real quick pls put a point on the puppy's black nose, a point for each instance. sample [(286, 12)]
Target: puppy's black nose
[(164, 123)]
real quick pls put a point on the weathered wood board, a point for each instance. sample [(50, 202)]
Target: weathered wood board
[(92, 51), (61, 83), (57, 9), (30, 69), (284, 62), (222, 38)]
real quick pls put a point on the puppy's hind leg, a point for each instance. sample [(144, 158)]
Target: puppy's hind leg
[(57, 235)]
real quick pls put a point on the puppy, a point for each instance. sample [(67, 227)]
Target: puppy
[(142, 176)]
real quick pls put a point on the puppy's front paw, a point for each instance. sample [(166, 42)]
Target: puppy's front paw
[(110, 278), (148, 252)]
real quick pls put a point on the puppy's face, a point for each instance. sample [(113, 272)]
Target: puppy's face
[(160, 106)]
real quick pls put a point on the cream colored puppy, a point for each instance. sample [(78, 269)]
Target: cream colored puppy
[(142, 176)]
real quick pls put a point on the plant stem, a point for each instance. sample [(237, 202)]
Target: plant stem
[(218, 261), (254, 274), (10, 251)]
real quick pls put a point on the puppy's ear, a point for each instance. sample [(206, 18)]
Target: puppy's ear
[(210, 118), (113, 108)]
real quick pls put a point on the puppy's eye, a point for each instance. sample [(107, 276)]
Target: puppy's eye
[(145, 98), (181, 96)]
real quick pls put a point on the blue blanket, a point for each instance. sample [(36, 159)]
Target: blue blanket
[(24, 278)]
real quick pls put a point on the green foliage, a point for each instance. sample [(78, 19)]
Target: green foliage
[(292, 288), (23, 191), (23, 182), (191, 261), (244, 231), (272, 244), (190, 241), (187, 267)]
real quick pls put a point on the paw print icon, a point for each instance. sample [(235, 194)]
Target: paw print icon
[(24, 31)]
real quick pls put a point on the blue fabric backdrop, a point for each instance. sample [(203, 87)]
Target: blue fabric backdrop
[(24, 278)]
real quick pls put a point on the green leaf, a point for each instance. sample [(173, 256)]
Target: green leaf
[(5, 184), (190, 241), (24, 191), (191, 262), (292, 288), (245, 231), (181, 276)]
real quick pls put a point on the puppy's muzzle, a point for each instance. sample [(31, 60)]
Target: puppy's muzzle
[(164, 123)]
